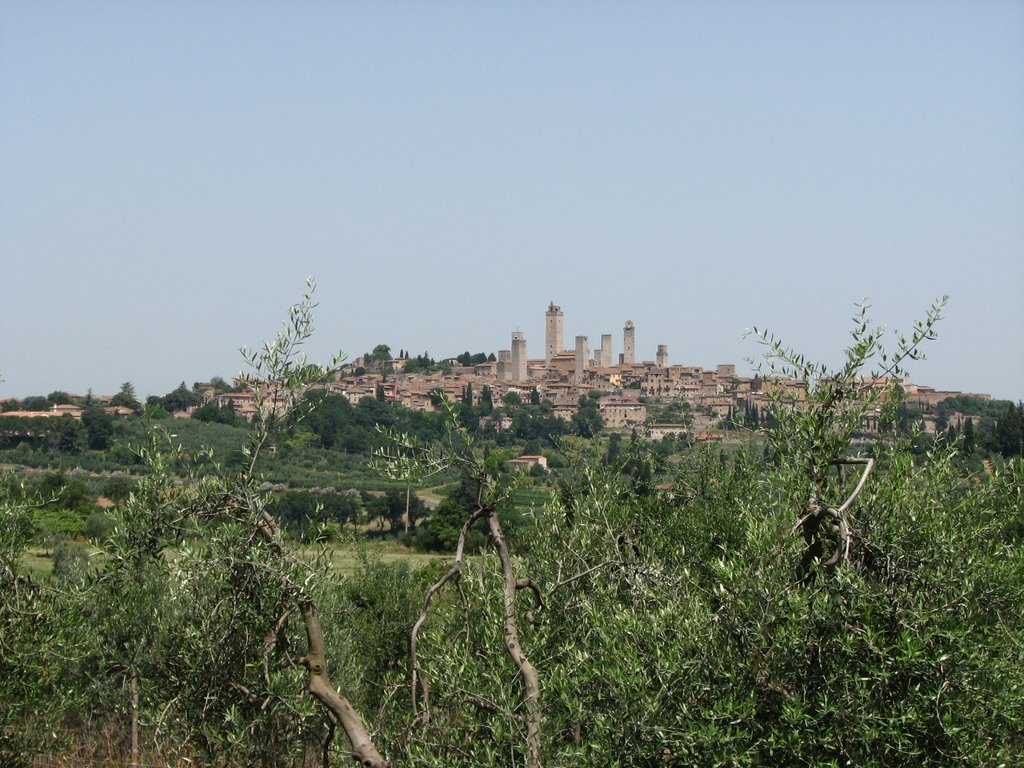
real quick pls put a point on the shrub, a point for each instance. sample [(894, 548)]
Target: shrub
[(97, 526), (118, 488), (70, 560)]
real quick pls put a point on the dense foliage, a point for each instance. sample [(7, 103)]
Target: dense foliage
[(676, 629), (649, 614)]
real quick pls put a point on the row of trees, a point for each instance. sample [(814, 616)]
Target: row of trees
[(65, 506), (1004, 437), (181, 398), (95, 431), (37, 402), (381, 355), (308, 515), (337, 424)]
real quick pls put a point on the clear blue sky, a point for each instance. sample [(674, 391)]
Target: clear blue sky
[(170, 172)]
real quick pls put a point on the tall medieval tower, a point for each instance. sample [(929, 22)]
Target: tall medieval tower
[(518, 356), (582, 354), (662, 356), (604, 359), (629, 344), (553, 326)]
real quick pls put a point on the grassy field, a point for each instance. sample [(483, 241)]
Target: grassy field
[(345, 558), (38, 562), (532, 497)]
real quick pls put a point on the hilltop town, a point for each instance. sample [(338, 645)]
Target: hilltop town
[(629, 392), (654, 398)]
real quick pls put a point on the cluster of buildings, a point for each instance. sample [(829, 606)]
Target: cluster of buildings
[(623, 386), (626, 389), (74, 411)]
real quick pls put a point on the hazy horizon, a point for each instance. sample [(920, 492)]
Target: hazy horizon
[(171, 173)]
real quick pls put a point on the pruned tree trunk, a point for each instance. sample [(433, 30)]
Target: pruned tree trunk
[(133, 693), (315, 661), (408, 498), (321, 689), (531, 680)]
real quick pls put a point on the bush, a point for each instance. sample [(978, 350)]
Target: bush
[(70, 560), (97, 526), (694, 619), (441, 531), (213, 413), (118, 488), (677, 629)]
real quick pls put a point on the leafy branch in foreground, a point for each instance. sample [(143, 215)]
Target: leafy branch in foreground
[(223, 643), (281, 377), (281, 374), (817, 411), (406, 458)]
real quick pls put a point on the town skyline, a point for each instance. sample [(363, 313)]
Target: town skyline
[(170, 174), (546, 511), (559, 371)]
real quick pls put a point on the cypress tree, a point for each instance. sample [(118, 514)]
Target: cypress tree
[(968, 433)]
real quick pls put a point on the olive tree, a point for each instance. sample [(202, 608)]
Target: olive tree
[(405, 458), (214, 643), (683, 622), (41, 634)]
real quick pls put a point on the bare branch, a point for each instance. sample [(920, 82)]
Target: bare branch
[(582, 574), (331, 723), (321, 688), (528, 583), (271, 638), (531, 681), (455, 572), (870, 464)]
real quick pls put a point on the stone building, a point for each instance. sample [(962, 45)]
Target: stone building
[(503, 370), (621, 412), (662, 359), (553, 332), (582, 355), (604, 354), (629, 344), (518, 356)]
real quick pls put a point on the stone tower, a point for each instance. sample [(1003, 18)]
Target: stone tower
[(605, 354), (663, 355), (518, 356), (629, 344), (582, 353), (504, 370), (553, 327)]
